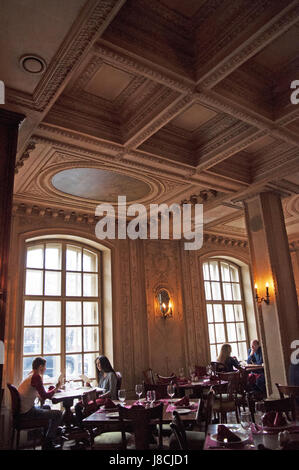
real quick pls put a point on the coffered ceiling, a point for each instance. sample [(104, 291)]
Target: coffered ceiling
[(163, 100)]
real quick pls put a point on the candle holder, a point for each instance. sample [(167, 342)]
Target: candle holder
[(265, 299)]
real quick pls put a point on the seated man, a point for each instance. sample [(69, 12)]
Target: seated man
[(255, 356), (31, 388)]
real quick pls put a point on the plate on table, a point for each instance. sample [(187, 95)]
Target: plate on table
[(114, 414), (235, 428), (183, 411)]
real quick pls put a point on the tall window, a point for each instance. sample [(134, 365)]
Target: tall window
[(225, 307), (62, 308)]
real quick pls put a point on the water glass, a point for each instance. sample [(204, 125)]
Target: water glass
[(122, 396), (245, 420), (259, 411), (139, 390), (170, 390), (151, 396)]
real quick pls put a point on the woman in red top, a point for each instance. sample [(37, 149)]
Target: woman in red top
[(31, 388)]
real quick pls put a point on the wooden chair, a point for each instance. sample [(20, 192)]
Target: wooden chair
[(226, 396), (288, 391), (285, 405), (217, 367), (200, 371), (149, 376), (20, 423), (141, 419), (182, 439), (160, 389), (166, 380)]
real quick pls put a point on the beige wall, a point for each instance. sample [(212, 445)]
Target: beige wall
[(141, 339)]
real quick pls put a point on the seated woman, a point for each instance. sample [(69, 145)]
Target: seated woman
[(107, 379), (226, 360)]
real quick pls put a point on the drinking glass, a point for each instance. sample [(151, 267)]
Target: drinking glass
[(151, 396), (139, 390), (122, 396), (245, 420), (259, 411), (209, 370), (170, 391)]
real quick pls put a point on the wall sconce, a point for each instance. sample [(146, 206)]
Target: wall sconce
[(164, 303), (262, 299)]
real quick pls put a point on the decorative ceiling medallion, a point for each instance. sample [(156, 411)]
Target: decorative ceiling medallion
[(32, 63), (100, 185)]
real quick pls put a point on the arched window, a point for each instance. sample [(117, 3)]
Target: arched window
[(225, 307), (62, 308)]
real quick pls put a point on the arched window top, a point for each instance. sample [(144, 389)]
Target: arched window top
[(225, 306)]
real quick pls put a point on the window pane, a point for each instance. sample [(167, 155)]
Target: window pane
[(32, 340), (234, 272), (33, 312), (210, 313), (73, 284), (51, 340), (53, 369), (212, 334), (52, 283), (216, 292), (236, 291), (52, 313), (208, 291), (231, 332), (89, 365), (73, 340), (73, 313), (225, 272), (35, 256), (91, 338), (240, 331), (90, 285), (227, 291), (243, 351), (220, 334), (218, 313), (206, 274), (214, 270), (27, 365), (34, 282), (213, 353), (53, 256), (90, 261), (73, 366), (90, 313), (239, 312), (235, 351), (229, 312), (73, 258)]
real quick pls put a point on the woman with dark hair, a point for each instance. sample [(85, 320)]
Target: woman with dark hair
[(106, 377), (107, 380)]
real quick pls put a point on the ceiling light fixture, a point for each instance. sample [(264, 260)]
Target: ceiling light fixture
[(32, 64)]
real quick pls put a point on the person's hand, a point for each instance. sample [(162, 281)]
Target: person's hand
[(252, 352)]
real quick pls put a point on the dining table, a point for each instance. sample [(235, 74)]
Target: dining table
[(67, 397), (253, 438), (198, 386), (104, 417)]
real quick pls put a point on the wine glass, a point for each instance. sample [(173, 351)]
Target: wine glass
[(170, 391), (139, 390), (245, 420), (151, 396), (122, 396), (259, 411), (209, 370)]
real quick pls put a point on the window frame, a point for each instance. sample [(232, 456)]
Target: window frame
[(225, 302), (63, 298)]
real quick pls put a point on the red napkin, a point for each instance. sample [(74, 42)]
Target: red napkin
[(183, 402)]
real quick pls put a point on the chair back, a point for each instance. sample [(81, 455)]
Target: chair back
[(179, 430), (288, 390), (166, 380), (200, 371), (217, 367), (233, 386), (160, 389), (149, 376), (285, 405), (119, 381), (89, 402), (15, 400), (140, 419)]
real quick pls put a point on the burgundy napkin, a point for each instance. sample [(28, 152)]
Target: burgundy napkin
[(183, 402)]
